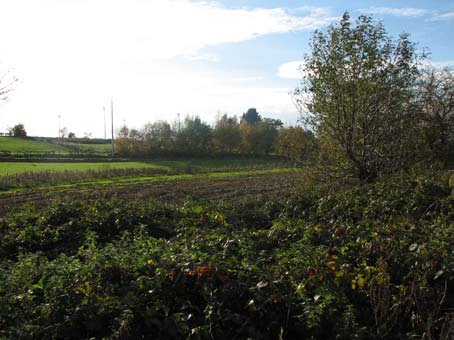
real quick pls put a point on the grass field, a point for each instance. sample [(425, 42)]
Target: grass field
[(29, 145), (91, 148), (14, 144), (12, 168)]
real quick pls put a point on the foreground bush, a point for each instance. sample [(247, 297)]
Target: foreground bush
[(374, 262)]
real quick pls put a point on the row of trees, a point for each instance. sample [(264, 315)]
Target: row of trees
[(250, 135), (372, 103)]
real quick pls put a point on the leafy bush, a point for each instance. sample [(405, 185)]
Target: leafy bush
[(373, 262)]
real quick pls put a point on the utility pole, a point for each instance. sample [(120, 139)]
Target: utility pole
[(105, 133), (179, 126), (111, 112)]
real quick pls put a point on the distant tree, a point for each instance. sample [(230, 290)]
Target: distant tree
[(121, 141), (226, 134), (251, 116), (136, 135), (63, 132), (296, 144), (195, 136), (123, 132), (159, 134), (358, 95), (18, 131), (259, 136), (268, 134), (71, 135)]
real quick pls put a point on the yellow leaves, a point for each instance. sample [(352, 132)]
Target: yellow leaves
[(151, 262), (332, 265), (451, 182), (361, 280), (203, 270), (358, 282), (301, 288), (220, 218)]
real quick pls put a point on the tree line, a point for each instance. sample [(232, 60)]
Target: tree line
[(251, 135)]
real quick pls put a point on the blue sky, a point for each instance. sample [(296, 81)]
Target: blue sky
[(157, 58)]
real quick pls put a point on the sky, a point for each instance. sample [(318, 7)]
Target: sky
[(158, 58)]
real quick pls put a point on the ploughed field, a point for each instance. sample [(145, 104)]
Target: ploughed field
[(165, 188)]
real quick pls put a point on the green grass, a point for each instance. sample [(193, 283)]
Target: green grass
[(91, 148), (15, 144), (159, 178), (11, 168), (135, 180)]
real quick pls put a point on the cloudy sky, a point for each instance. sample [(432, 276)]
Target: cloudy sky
[(157, 58)]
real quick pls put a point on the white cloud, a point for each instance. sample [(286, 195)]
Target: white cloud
[(291, 70), (439, 64), (313, 10), (248, 79), (72, 56), (443, 16), (396, 11), (204, 57), (409, 12), (157, 29)]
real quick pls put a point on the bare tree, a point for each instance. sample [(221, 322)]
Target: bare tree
[(7, 82)]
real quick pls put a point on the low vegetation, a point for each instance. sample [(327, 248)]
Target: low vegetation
[(370, 262)]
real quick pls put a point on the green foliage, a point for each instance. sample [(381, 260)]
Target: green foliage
[(260, 137), (369, 262), (227, 135), (358, 94), (296, 144), (18, 131), (194, 137), (436, 98), (255, 136), (251, 116)]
